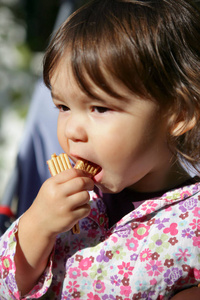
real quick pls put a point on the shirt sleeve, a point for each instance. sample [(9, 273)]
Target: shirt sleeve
[(8, 285)]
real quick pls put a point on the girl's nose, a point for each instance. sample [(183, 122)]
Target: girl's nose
[(76, 129)]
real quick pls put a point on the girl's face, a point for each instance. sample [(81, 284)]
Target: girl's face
[(126, 138)]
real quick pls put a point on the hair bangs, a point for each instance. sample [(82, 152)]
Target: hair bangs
[(96, 58), (101, 50), (89, 66)]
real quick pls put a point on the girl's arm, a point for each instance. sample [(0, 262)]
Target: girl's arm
[(32, 254), (60, 203)]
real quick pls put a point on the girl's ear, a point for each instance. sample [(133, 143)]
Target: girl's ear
[(182, 127)]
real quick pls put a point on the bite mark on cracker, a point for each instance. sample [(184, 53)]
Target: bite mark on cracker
[(86, 166)]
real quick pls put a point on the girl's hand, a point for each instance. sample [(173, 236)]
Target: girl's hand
[(61, 202)]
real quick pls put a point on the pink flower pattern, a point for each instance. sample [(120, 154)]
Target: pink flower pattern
[(125, 269), (154, 268), (132, 244)]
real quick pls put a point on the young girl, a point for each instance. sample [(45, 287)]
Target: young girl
[(124, 75)]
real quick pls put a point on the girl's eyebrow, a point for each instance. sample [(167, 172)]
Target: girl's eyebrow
[(58, 97), (96, 98)]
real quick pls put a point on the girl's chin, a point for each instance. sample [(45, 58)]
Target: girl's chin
[(103, 189), (106, 187), (107, 190), (111, 186)]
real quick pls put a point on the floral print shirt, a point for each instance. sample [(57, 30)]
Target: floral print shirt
[(151, 253)]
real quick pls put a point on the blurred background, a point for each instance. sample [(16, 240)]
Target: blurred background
[(25, 29)]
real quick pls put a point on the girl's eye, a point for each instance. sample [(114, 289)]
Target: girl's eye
[(63, 108), (100, 109)]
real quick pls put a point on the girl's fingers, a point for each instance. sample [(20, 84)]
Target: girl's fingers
[(81, 212), (76, 201), (69, 175), (75, 186), (65, 199)]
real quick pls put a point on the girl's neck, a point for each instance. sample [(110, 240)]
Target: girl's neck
[(118, 205)]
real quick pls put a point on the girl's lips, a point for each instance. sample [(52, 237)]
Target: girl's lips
[(98, 177)]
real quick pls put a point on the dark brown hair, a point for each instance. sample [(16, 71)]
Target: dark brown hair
[(151, 46)]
